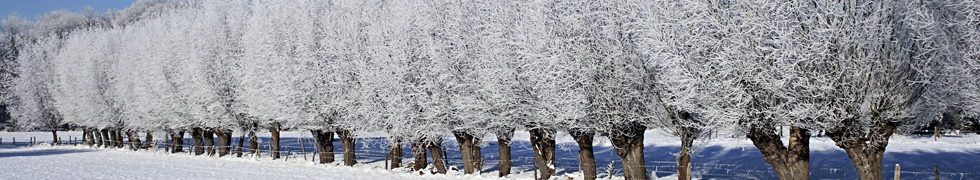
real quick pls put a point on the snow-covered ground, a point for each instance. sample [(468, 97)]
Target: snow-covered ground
[(719, 158)]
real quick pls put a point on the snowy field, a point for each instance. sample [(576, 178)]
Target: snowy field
[(720, 158)]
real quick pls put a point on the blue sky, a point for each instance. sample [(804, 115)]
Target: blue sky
[(31, 8)]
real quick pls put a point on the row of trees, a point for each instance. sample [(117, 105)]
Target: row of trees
[(860, 70)]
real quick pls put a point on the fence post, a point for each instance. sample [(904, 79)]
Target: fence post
[(936, 168), (898, 172), (612, 167), (303, 145)]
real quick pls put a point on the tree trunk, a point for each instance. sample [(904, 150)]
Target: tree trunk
[(198, 136), (98, 137), (435, 149), (54, 133), (85, 139), (789, 163), (119, 138), (274, 129), (543, 143), (177, 142), (396, 154), (324, 144), (503, 144), (688, 135), (347, 138), (134, 140), (864, 147), (209, 141), (253, 143), (224, 141), (241, 143), (418, 150), (469, 149), (106, 140), (629, 147), (586, 157), (149, 141), (116, 139)]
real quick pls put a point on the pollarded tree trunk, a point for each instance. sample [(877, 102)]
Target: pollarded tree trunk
[(177, 142), (85, 139), (586, 157), (98, 137), (435, 149), (543, 143), (688, 135), (864, 147), (224, 141), (91, 136), (198, 136), (347, 138), (253, 143), (241, 143), (134, 140), (209, 141), (119, 134), (396, 154), (629, 147), (789, 163), (55, 141), (469, 149), (274, 130), (503, 144), (149, 141), (324, 144), (116, 139), (418, 150), (106, 140)]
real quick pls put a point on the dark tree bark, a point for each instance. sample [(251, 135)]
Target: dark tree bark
[(347, 138), (224, 141), (629, 147), (91, 136), (503, 144), (241, 143), (198, 136), (789, 163), (864, 147), (55, 141), (324, 144), (253, 143), (586, 156), (274, 129), (177, 142), (688, 135), (119, 134), (116, 138), (469, 149), (149, 140), (418, 150), (106, 140), (543, 143), (435, 149), (85, 139), (209, 141), (134, 140), (98, 137), (396, 154)]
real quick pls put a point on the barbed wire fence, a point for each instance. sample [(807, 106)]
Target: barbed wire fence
[(373, 151)]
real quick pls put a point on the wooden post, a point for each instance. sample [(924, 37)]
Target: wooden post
[(303, 145), (386, 160), (14, 141), (270, 150), (936, 168), (898, 172)]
